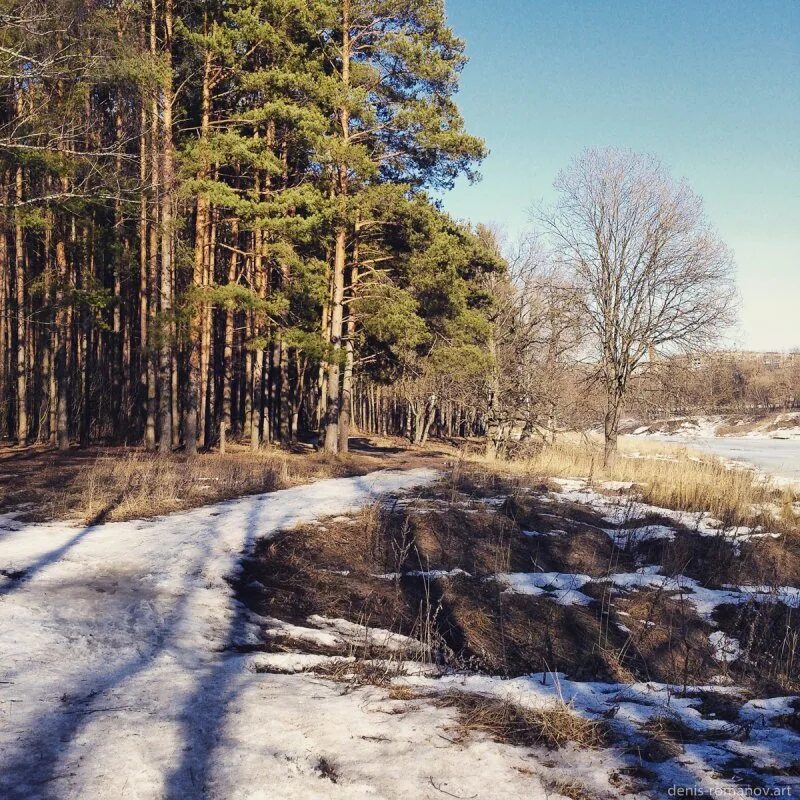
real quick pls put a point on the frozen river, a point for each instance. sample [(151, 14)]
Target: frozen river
[(777, 456)]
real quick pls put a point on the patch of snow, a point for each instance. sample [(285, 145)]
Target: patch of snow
[(552, 532), (625, 511), (629, 706), (292, 662), (424, 573), (119, 667), (788, 595), (570, 484), (563, 588), (322, 638), (617, 486), (364, 635), (630, 537), (687, 428), (726, 648)]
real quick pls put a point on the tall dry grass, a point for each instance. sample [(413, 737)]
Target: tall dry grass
[(139, 484), (668, 476)]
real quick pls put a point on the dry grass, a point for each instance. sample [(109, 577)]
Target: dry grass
[(566, 788), (367, 672), (672, 733), (510, 723), (668, 476), (115, 482), (138, 484), (468, 622)]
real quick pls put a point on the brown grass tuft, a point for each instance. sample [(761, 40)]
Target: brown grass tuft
[(510, 723), (360, 672), (575, 791), (670, 734)]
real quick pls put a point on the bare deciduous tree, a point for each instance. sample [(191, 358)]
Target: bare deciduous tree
[(653, 273)]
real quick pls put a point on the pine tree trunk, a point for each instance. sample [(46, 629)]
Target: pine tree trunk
[(322, 375), (258, 379), (167, 189), (247, 388), (194, 405), (334, 389), (340, 253), (206, 354), (19, 272), (227, 354), (4, 316), (285, 390), (347, 379), (144, 345), (116, 325), (62, 327), (155, 192), (297, 398)]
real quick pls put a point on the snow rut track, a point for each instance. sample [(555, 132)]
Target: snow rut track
[(116, 676)]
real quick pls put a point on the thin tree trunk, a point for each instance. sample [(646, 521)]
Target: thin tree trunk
[(206, 354), (346, 413), (62, 327), (155, 183), (19, 272), (116, 326), (492, 421), (611, 426), (340, 255), (144, 345), (258, 380), (284, 405), (227, 354), (167, 189), (322, 376)]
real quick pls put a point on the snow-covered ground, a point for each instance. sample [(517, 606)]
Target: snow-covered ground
[(785, 425), (126, 672), (117, 677)]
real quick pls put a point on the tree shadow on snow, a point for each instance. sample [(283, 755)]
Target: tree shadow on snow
[(19, 577), (35, 767)]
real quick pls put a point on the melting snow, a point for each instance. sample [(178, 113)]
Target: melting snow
[(118, 673), (562, 588), (631, 513), (726, 648)]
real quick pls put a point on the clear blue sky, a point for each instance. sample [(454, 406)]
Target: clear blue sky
[(710, 86)]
